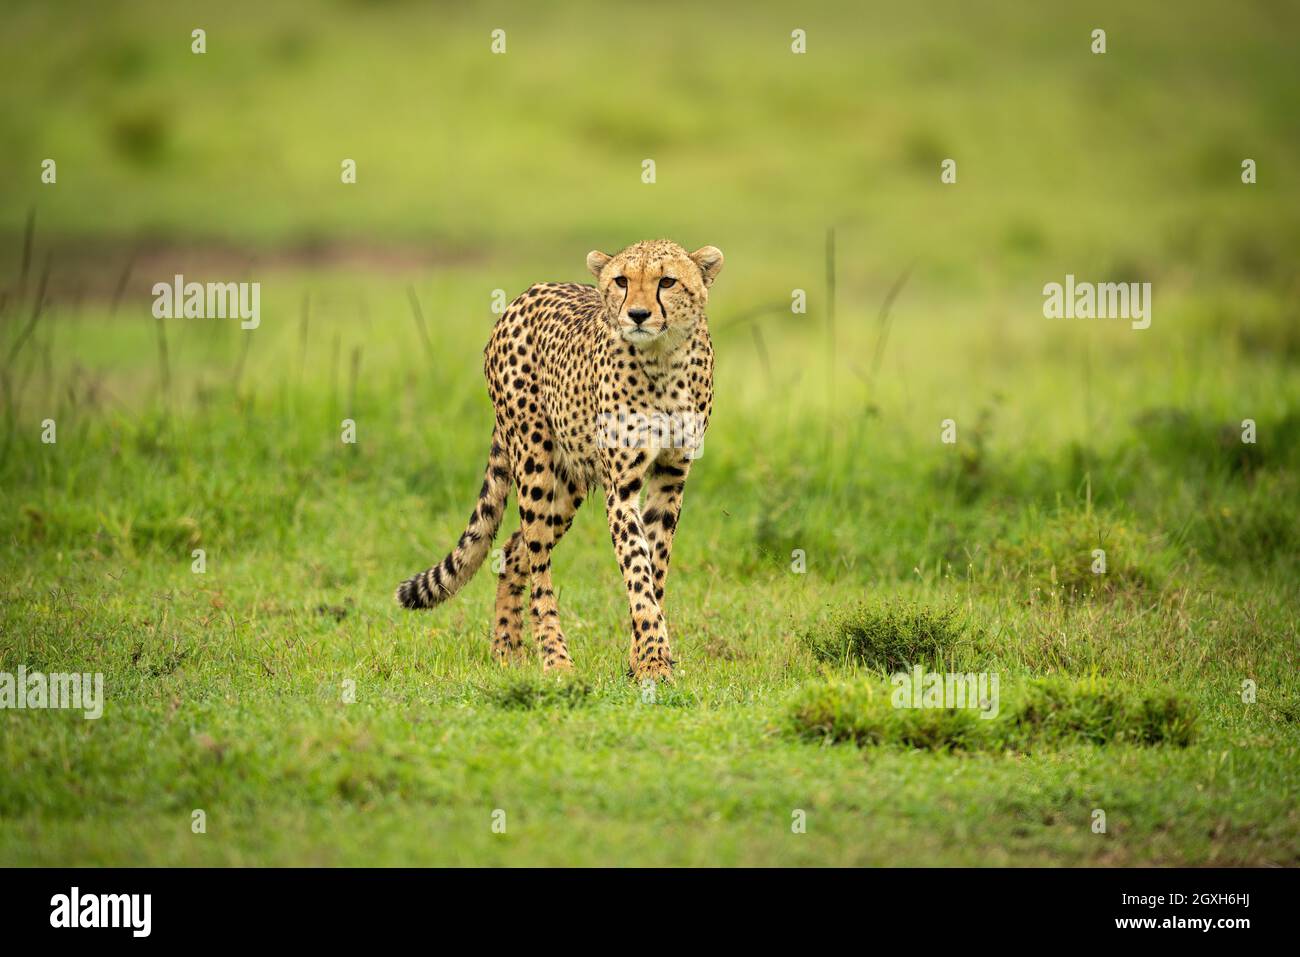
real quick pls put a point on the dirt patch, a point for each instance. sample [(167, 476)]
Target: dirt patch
[(117, 269)]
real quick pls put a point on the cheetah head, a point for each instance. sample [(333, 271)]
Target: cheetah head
[(655, 291)]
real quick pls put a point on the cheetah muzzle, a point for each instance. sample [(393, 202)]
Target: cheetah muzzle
[(605, 386)]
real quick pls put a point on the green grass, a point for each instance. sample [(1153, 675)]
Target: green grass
[(1037, 714), (889, 639), (282, 691)]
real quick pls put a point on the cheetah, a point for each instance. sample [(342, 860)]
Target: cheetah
[(607, 386)]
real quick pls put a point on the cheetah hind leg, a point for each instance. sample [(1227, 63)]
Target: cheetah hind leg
[(547, 503), (508, 623)]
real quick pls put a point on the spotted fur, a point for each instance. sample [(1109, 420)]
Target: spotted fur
[(608, 386)]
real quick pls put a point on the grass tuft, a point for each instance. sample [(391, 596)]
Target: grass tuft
[(887, 639), (1043, 712), (526, 692)]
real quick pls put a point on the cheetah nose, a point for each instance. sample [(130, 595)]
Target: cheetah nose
[(638, 315)]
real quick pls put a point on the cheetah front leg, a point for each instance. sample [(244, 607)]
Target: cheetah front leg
[(663, 506), (624, 473)]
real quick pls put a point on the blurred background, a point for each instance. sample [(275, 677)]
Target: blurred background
[(1123, 163)]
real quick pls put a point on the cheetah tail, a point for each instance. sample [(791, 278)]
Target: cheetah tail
[(435, 585)]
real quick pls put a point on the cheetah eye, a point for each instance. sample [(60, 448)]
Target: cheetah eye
[(667, 282), (620, 281)]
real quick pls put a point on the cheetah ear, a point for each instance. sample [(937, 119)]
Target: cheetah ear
[(596, 261), (709, 259)]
